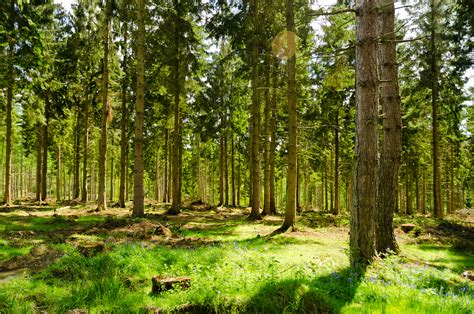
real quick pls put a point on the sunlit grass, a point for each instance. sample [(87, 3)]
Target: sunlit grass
[(235, 267)]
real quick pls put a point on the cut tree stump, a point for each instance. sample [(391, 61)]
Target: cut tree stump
[(161, 283), (407, 227), (162, 230)]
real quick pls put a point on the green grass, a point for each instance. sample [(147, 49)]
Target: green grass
[(239, 269)]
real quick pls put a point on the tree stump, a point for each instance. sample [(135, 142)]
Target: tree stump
[(162, 230), (407, 227), (160, 283)]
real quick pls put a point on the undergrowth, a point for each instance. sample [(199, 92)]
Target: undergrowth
[(303, 272)]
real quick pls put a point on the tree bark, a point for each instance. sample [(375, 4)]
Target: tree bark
[(175, 206), (102, 199), (44, 170), (165, 181), (255, 118), (233, 170), (124, 121), (438, 207), (362, 233), (7, 200), (138, 192), (58, 174), (267, 139), (85, 156), (226, 173), (77, 146), (291, 183), (273, 121), (336, 167)]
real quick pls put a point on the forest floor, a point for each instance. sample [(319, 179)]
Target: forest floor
[(72, 259)]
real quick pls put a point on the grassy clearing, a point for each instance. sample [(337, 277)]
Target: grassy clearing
[(233, 267)]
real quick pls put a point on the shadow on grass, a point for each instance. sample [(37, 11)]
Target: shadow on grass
[(449, 256), (325, 294)]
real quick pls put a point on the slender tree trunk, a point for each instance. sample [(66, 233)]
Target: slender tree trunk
[(423, 194), (44, 171), (451, 204), (112, 176), (8, 121), (226, 173), (331, 186), (58, 174), (158, 177), (409, 207), (238, 178), (438, 207), (170, 164), (93, 183), (417, 192), (85, 156), (221, 164), (273, 121), (175, 206), (124, 122), (362, 233), (138, 191), (77, 147), (255, 118), (165, 181), (233, 171), (102, 200), (267, 139), (292, 182), (336, 167), (21, 174), (325, 179)]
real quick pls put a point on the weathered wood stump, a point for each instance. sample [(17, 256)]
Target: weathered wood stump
[(407, 227), (160, 283), (162, 230)]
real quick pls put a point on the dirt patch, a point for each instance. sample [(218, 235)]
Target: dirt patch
[(39, 257)]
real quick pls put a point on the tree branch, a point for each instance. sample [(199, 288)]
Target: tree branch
[(335, 12)]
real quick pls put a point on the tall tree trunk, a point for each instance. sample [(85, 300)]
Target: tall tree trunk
[(157, 176), (255, 118), (267, 138), (423, 194), (438, 207), (7, 199), (21, 174), (291, 183), (451, 204), (409, 207), (102, 200), (124, 122), (233, 170), (165, 181), (336, 167), (85, 156), (238, 178), (362, 233), (112, 176), (221, 164), (417, 192), (226, 172), (138, 192), (325, 179), (77, 146), (58, 174), (175, 206), (273, 121), (44, 170)]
